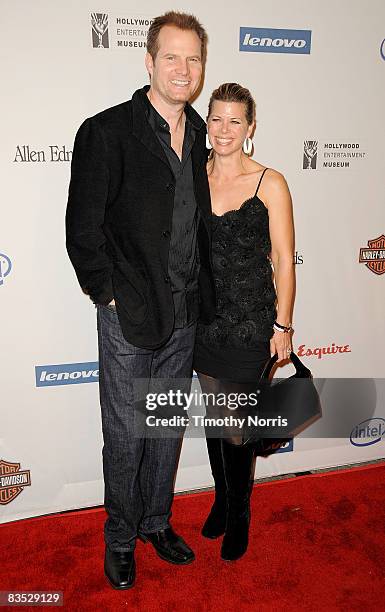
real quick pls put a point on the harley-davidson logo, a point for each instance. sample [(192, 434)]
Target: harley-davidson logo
[(12, 481), (374, 255)]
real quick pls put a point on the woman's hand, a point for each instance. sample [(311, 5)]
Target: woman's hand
[(281, 344)]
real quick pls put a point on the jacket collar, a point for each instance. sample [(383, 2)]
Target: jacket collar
[(141, 127)]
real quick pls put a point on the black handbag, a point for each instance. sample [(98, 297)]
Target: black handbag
[(284, 408)]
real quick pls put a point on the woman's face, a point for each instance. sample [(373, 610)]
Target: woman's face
[(227, 126)]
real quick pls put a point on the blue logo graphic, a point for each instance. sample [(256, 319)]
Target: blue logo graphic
[(382, 49), (268, 40), (67, 374), (287, 447), (5, 267), (368, 432)]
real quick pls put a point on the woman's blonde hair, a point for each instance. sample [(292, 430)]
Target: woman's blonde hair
[(233, 92)]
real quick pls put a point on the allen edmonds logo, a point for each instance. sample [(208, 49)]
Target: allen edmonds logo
[(54, 153)]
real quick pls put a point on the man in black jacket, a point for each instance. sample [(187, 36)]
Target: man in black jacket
[(138, 235)]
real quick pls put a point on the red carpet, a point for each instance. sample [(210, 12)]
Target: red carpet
[(317, 543)]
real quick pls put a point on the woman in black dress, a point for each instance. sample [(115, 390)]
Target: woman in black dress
[(253, 239)]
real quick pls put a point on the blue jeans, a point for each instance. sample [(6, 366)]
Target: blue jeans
[(139, 472)]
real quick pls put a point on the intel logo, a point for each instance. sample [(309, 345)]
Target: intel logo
[(67, 374), (267, 40), (368, 432)]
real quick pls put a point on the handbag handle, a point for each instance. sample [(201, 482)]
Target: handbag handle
[(301, 370)]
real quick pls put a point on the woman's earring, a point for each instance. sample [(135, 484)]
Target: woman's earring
[(208, 143), (247, 146)]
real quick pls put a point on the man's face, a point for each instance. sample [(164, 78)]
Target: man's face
[(177, 69)]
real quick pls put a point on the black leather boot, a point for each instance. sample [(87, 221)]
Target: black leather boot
[(238, 461), (216, 521)]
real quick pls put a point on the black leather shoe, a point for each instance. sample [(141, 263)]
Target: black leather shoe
[(119, 568), (169, 546)]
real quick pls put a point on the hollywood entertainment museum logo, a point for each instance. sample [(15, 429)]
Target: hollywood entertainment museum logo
[(99, 24), (53, 153), (374, 255), (332, 154), (110, 31), (5, 267), (368, 432), (12, 481), (323, 351), (67, 374), (310, 148), (272, 40)]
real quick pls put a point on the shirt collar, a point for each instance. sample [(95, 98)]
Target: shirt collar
[(158, 122)]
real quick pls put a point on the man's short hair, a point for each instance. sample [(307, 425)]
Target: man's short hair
[(183, 21)]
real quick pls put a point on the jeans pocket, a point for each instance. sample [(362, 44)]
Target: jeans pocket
[(111, 307)]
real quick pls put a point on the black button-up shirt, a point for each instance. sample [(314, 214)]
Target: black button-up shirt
[(183, 265)]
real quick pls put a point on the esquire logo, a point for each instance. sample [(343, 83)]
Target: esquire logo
[(12, 481), (268, 40), (321, 351), (368, 432), (5, 267), (67, 374)]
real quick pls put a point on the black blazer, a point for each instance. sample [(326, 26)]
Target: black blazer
[(119, 219)]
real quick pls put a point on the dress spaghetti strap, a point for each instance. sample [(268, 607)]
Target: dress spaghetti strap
[(260, 180)]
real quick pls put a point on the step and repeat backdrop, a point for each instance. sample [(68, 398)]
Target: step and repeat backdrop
[(317, 72)]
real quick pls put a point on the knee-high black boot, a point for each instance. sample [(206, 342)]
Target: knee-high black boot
[(216, 521), (238, 461)]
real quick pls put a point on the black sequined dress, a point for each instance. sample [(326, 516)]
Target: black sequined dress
[(231, 346)]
